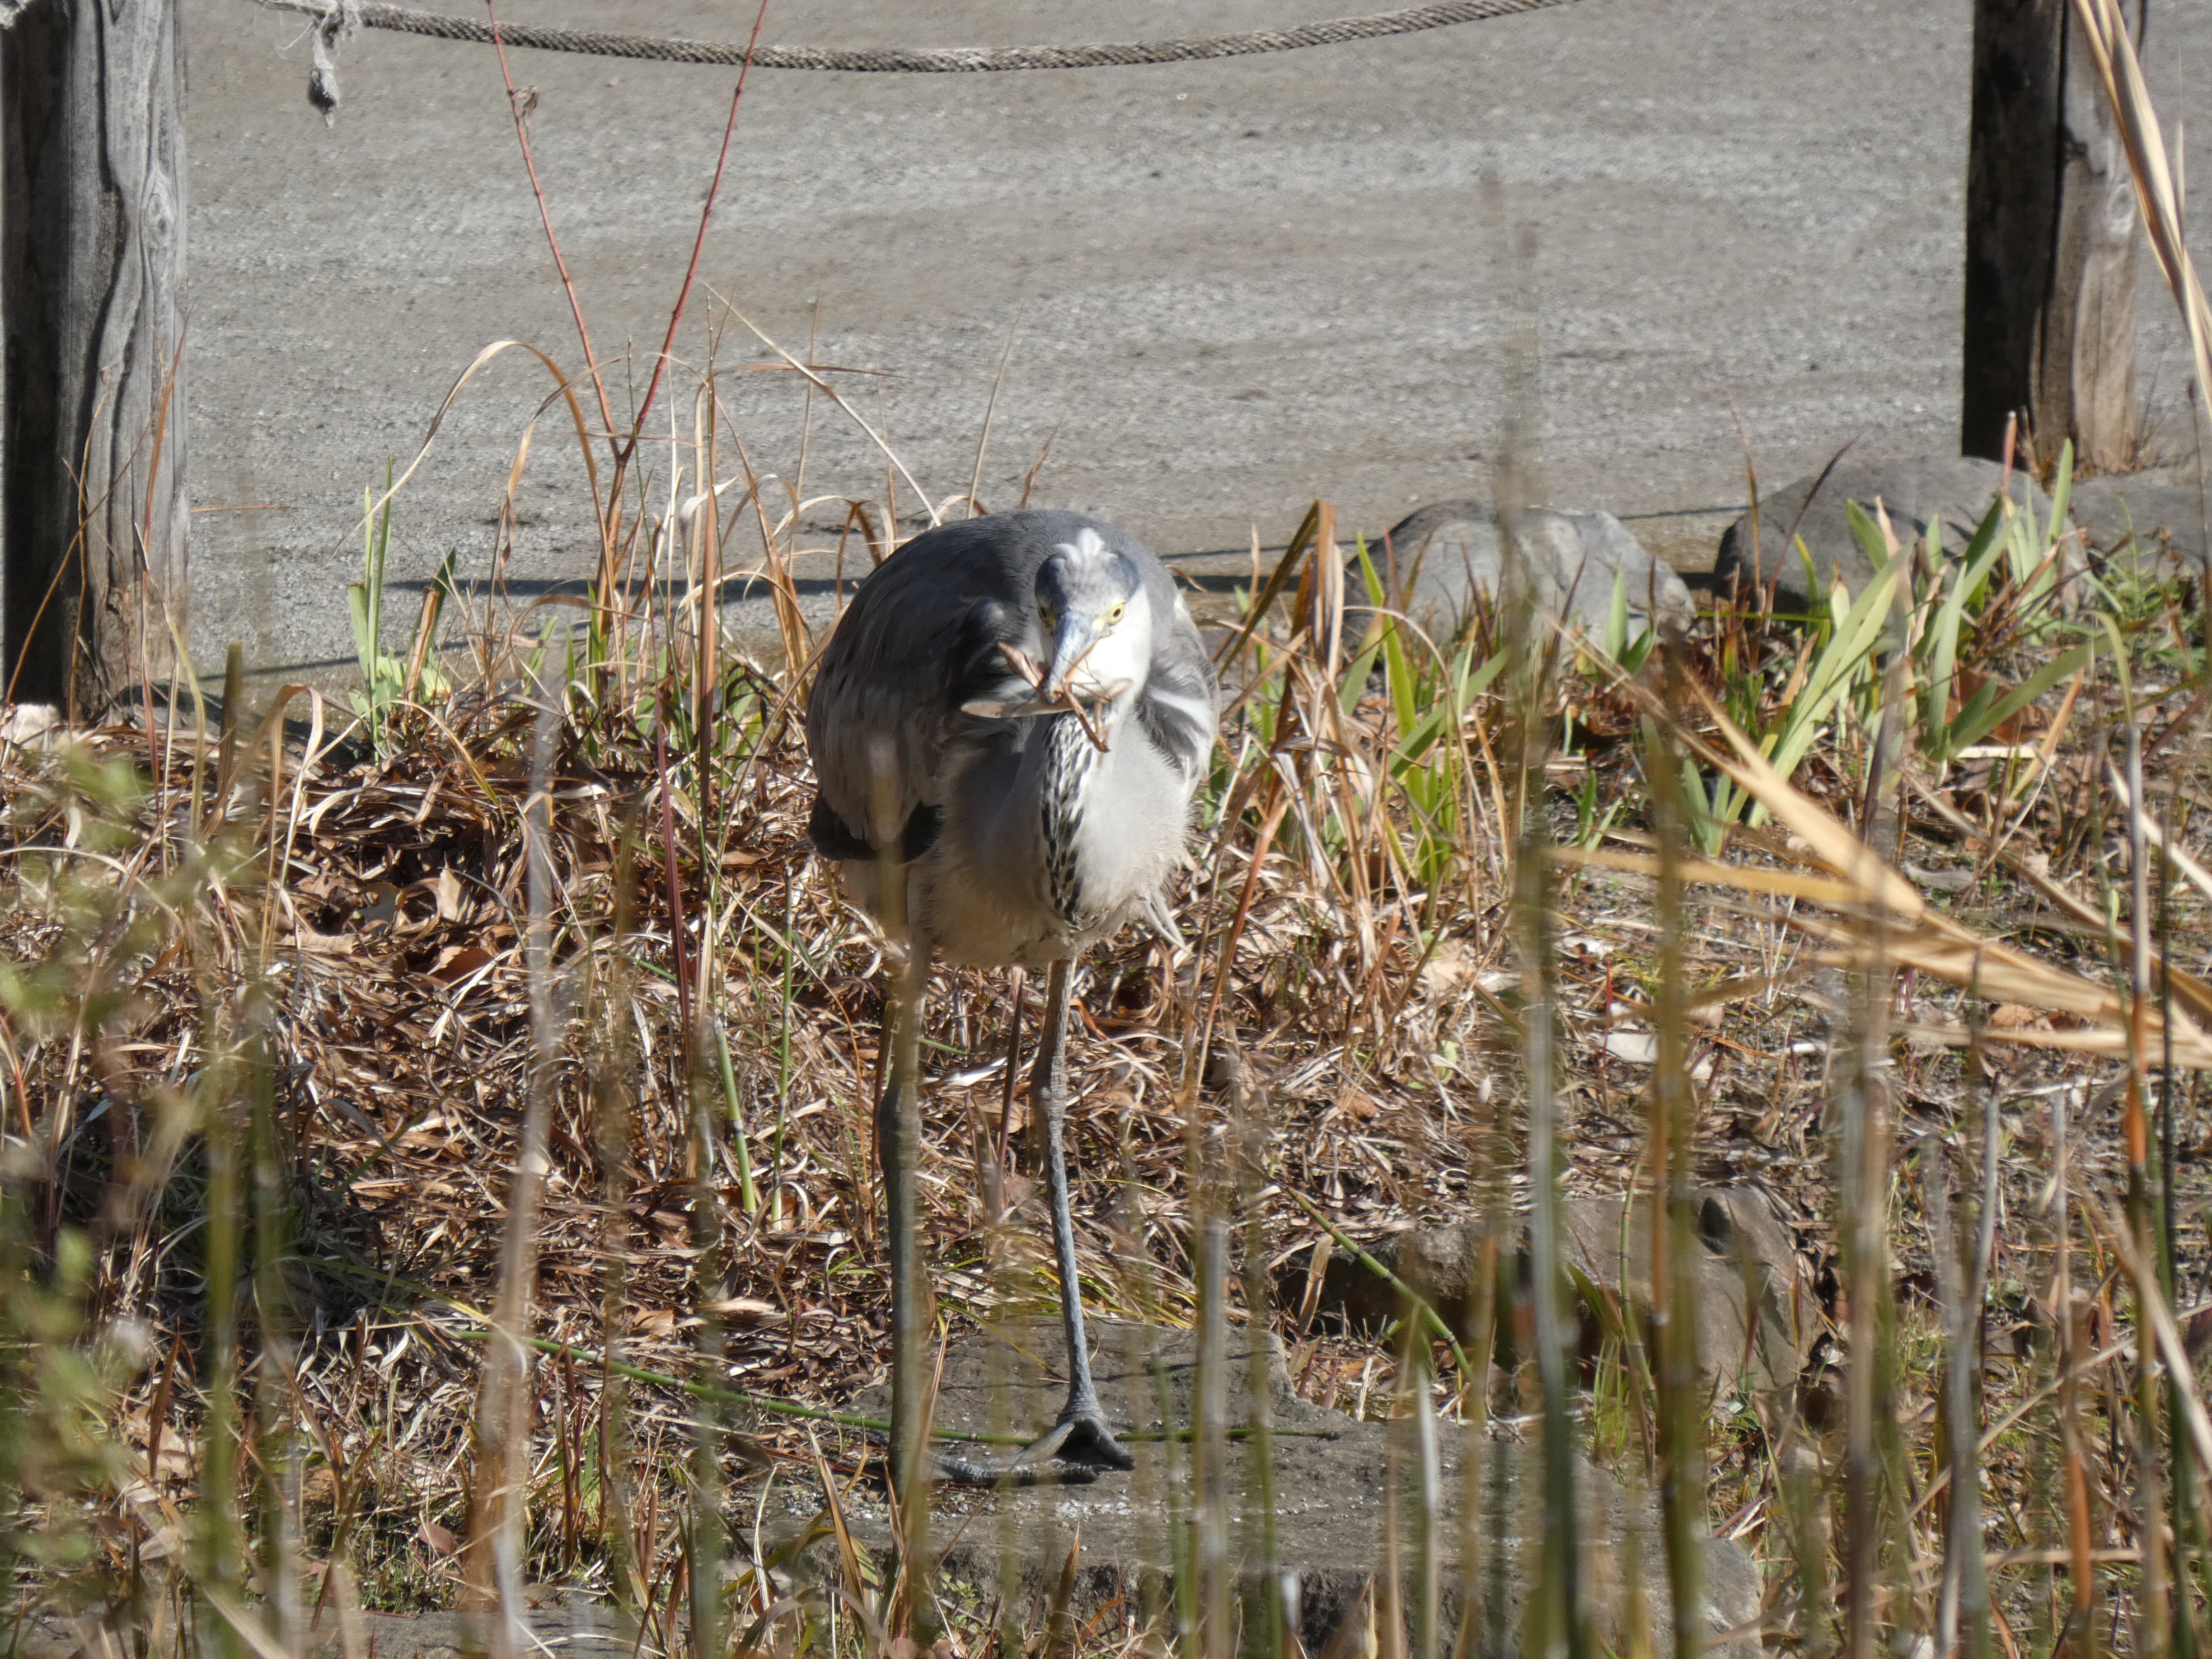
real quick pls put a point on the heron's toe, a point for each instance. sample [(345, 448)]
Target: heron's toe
[(1074, 1451), (1085, 1441), (1024, 1468)]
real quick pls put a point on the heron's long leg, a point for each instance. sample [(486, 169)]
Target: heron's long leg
[(1088, 1439), (1080, 1444), (898, 1151)]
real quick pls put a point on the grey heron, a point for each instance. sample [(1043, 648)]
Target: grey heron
[(1007, 726)]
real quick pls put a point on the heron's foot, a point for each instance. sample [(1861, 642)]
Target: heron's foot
[(1074, 1452), (1081, 1438), (951, 1469)]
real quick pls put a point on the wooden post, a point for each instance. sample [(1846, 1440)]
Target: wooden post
[(93, 509), (2052, 246)]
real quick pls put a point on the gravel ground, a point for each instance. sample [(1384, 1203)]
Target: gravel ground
[(1240, 283)]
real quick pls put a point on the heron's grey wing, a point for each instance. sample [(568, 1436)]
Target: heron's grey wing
[(920, 639)]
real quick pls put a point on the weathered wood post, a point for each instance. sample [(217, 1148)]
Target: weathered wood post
[(93, 509), (2050, 244)]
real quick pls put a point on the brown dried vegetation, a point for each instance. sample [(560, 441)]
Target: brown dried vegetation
[(525, 1006)]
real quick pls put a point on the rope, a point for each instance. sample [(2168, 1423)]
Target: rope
[(339, 25), (904, 60)]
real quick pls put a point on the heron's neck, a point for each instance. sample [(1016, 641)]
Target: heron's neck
[(1070, 755), (1072, 759), (1071, 764)]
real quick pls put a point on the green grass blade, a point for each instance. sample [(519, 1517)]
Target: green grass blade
[(1357, 673), (1943, 660), (2062, 486), (364, 630), (1379, 629), (1978, 719), (1470, 683), (1846, 649), (1868, 534), (1982, 552)]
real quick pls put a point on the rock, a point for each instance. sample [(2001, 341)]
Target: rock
[(1636, 1047), (573, 1626), (1745, 1273), (1744, 1278), (2150, 523), (1443, 1263), (1446, 554), (1955, 490), (579, 1626), (26, 725), (1334, 1480)]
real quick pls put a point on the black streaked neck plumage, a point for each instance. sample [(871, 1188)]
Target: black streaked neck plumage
[(1070, 765)]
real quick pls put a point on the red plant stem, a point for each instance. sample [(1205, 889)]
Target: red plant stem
[(2136, 1134), (545, 216), (698, 247), (610, 509), (675, 888), (2078, 1637)]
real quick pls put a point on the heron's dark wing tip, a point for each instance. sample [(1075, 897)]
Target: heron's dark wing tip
[(923, 826), (832, 836)]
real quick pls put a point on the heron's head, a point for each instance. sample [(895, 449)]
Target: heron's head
[(1091, 600)]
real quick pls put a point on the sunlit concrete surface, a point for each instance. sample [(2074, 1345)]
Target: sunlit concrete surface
[(1240, 283)]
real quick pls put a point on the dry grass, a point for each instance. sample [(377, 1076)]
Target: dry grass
[(331, 1060), (324, 958)]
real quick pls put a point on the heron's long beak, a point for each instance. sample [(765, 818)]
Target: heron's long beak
[(1068, 677), (1066, 683)]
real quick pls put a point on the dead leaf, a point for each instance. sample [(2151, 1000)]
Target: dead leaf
[(1636, 1047), (741, 1306), (305, 937), (456, 962), (1451, 967), (2024, 725)]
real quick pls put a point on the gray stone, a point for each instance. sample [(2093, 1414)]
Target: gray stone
[(571, 1627), (1745, 1283), (1334, 1481), (2151, 523), (1446, 559), (1443, 1263), (1950, 490), (1743, 1278)]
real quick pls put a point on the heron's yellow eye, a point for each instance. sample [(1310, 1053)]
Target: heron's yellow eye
[(1045, 615), (1114, 615)]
